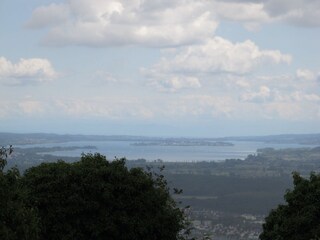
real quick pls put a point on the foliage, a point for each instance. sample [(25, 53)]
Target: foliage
[(17, 220), (299, 218), (4, 153), (98, 199)]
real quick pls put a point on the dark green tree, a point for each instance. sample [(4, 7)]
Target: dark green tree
[(98, 199), (299, 218), (17, 220)]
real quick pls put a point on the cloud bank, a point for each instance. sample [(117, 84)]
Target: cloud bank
[(102, 23), (155, 23)]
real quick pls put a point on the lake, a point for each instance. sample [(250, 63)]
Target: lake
[(119, 149)]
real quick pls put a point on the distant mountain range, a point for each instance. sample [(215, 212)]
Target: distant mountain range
[(38, 138), (308, 139)]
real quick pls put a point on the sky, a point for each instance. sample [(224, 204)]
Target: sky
[(202, 68)]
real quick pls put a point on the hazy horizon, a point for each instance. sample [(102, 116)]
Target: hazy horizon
[(160, 68), (160, 136)]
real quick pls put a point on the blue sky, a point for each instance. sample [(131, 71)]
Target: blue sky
[(168, 68)]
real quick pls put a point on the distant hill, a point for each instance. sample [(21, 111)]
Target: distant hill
[(308, 139), (37, 138)]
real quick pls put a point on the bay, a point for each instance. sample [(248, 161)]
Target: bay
[(112, 149)]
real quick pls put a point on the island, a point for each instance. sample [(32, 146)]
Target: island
[(182, 143)]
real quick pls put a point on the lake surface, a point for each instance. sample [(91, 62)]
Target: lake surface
[(119, 149)]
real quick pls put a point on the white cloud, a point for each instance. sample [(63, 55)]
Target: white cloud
[(33, 70), (246, 97), (262, 95), (48, 15), (218, 55), (306, 74), (118, 22), (153, 23), (301, 87), (175, 83), (188, 66), (264, 102), (241, 11)]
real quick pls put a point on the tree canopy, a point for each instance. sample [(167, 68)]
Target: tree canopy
[(17, 220), (95, 199), (299, 218)]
